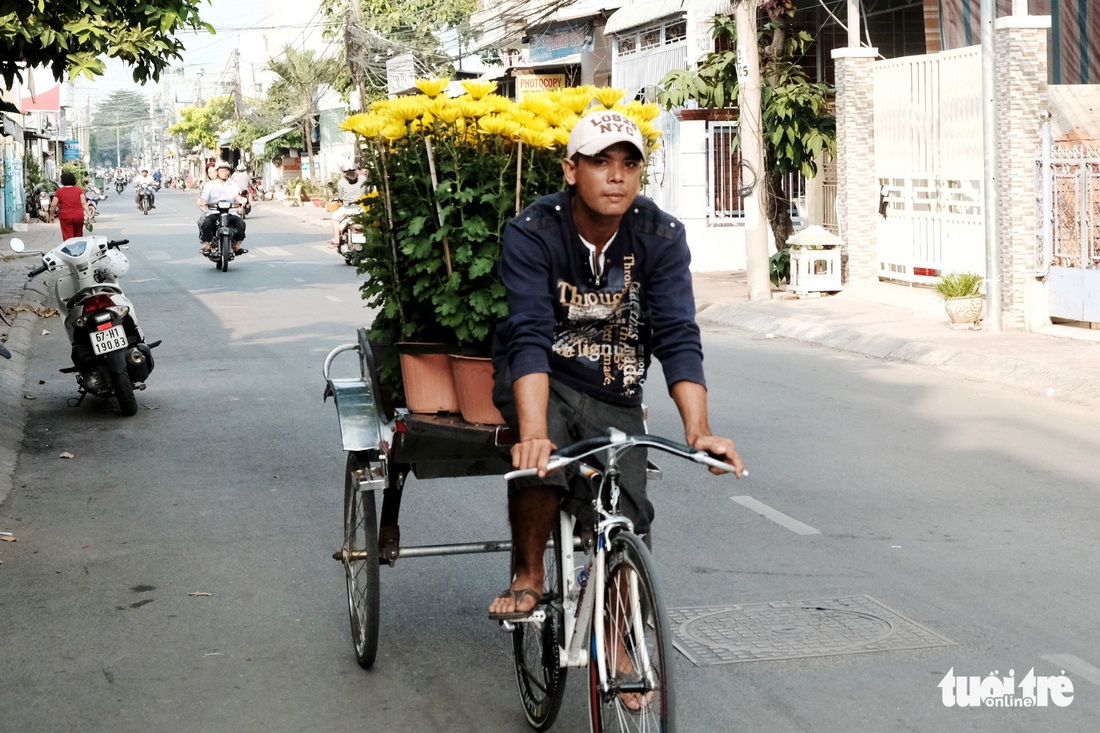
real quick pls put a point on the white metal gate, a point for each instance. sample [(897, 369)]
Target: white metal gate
[(929, 164), (1069, 216)]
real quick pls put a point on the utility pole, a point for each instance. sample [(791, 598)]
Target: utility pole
[(353, 50), (752, 172), (118, 144)]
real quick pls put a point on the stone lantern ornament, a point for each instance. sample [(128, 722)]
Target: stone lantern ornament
[(815, 261)]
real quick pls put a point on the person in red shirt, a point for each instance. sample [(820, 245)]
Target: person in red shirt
[(69, 206)]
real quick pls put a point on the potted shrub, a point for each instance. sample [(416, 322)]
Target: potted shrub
[(445, 175), (962, 297)]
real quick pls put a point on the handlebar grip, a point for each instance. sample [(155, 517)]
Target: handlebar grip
[(554, 464), (117, 243), (37, 271)]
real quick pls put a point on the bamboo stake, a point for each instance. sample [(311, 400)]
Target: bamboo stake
[(519, 172), (393, 239), (438, 208)]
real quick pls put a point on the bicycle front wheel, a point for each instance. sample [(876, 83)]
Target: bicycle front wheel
[(536, 647), (633, 656)]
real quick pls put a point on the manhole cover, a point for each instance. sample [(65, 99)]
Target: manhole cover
[(794, 629)]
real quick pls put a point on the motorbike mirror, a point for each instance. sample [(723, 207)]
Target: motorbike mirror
[(17, 244)]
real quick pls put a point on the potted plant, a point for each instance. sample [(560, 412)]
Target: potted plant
[(962, 297), (445, 175)]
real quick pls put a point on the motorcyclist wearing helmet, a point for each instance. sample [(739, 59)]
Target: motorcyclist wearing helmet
[(144, 179), (349, 189), (242, 179), (219, 189)]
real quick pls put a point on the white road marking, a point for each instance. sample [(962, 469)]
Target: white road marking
[(1076, 665), (274, 251), (326, 248), (333, 298), (299, 280), (776, 516), (156, 255)]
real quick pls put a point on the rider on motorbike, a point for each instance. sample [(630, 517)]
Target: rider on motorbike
[(148, 181), (219, 189), (349, 190)]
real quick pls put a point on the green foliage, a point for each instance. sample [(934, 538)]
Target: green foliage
[(32, 170), (779, 266), (959, 285), (72, 35), (797, 122), (200, 125)]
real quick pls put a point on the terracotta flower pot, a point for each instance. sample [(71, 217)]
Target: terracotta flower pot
[(429, 386), (473, 379)]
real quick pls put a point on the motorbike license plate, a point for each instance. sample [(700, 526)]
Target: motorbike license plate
[(113, 339)]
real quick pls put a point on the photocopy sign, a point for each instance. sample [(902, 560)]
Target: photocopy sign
[(531, 83), (400, 74)]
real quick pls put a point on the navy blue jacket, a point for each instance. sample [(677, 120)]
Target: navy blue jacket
[(598, 336)]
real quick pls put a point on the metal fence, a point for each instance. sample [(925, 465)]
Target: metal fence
[(726, 176)]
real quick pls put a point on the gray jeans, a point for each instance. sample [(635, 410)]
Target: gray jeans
[(573, 416)]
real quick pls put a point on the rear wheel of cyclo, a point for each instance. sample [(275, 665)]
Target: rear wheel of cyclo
[(635, 646), (536, 647), (361, 538)]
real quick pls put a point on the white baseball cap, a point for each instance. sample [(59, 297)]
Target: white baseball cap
[(598, 131)]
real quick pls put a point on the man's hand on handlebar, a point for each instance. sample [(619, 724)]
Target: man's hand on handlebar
[(534, 453), (722, 449)]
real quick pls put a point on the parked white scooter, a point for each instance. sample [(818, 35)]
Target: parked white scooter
[(109, 353)]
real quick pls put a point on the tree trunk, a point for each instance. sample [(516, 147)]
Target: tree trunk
[(777, 207)]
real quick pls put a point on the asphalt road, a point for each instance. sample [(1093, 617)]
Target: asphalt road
[(949, 525)]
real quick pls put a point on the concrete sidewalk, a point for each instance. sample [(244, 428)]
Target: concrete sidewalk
[(903, 323)]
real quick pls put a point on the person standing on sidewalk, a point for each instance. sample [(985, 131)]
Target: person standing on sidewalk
[(70, 207), (597, 283)]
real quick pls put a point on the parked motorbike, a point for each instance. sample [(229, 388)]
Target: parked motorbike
[(351, 241), (38, 200), (145, 199), (221, 247), (109, 353)]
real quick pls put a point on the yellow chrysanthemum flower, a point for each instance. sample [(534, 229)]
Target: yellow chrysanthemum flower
[(642, 111), (405, 109), (367, 125), (498, 104), (537, 138), (394, 130), (432, 87), (561, 136), (576, 100), (537, 104), (498, 126), (448, 112), (473, 108), (478, 89), (649, 132), (607, 96)]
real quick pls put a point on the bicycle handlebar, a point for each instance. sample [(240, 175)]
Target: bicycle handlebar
[(582, 448)]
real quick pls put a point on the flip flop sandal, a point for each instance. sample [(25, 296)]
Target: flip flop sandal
[(517, 595), (241, 251)]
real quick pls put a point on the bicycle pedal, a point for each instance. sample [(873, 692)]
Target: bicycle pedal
[(538, 615)]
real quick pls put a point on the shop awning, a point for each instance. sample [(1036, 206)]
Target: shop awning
[(259, 143)]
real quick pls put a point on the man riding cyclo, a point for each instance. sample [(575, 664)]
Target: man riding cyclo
[(597, 284), (144, 179), (220, 189)]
